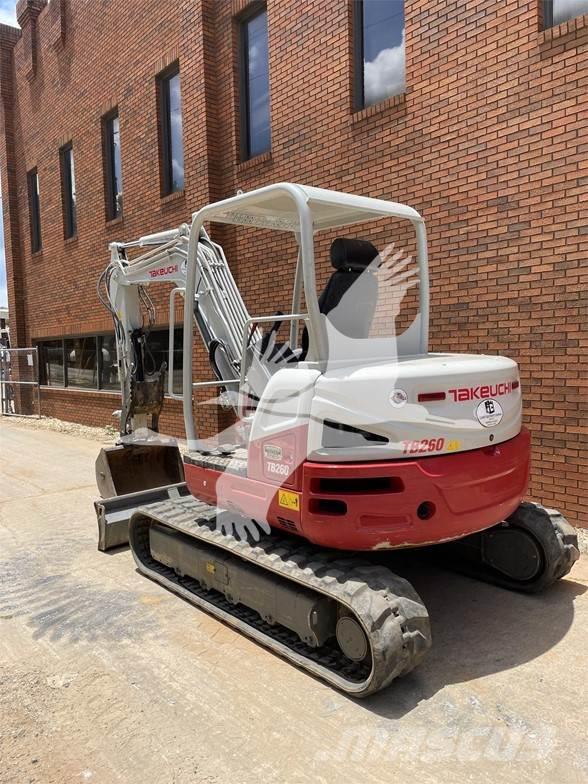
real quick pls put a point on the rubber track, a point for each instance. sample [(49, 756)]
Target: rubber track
[(556, 538), (390, 611)]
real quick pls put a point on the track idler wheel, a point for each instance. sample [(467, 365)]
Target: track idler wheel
[(351, 638), (527, 552)]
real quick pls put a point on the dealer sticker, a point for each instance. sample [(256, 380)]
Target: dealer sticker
[(489, 413)]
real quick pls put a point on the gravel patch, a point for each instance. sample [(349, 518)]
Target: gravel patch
[(101, 434)]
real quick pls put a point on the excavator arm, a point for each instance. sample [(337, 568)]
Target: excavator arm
[(143, 466)]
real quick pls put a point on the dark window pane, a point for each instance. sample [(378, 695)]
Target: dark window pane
[(68, 186), (171, 133), (558, 11), (383, 56), (256, 87), (108, 364), (113, 167), (80, 355), (157, 352), (51, 363), (34, 210)]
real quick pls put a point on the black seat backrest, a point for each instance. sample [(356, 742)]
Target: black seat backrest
[(351, 259)]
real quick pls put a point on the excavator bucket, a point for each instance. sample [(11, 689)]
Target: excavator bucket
[(132, 476)]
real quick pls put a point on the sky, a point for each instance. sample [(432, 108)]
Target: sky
[(7, 16), (7, 12)]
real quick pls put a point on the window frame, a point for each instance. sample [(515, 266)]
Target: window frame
[(114, 210), (69, 205), (34, 200), (165, 135), (253, 11), (358, 49), (547, 16)]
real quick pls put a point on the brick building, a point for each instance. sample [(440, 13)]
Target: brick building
[(474, 113)]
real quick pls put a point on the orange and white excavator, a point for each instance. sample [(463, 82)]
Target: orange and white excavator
[(350, 437)]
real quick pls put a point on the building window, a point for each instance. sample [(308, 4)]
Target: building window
[(112, 166), (379, 29), (91, 362), (81, 362), (158, 353), (172, 144), (255, 98), (556, 12), (68, 190), (34, 210), (51, 368), (108, 363)]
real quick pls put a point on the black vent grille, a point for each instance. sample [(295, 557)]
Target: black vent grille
[(339, 436)]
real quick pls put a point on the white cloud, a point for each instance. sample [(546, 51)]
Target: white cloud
[(8, 13), (385, 75)]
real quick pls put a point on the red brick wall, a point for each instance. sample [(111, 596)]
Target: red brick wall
[(488, 143)]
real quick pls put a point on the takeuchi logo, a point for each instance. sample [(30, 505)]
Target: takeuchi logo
[(159, 273), (481, 392)]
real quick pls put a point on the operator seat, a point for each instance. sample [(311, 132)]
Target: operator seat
[(351, 259)]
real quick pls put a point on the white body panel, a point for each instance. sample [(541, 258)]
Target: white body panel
[(286, 402), (361, 398)]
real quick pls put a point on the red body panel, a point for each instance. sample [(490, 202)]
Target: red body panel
[(387, 504)]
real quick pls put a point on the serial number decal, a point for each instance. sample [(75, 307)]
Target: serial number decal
[(426, 445), (289, 500), (280, 469)]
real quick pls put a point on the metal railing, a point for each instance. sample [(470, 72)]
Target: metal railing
[(19, 379)]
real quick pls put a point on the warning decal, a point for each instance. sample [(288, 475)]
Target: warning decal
[(289, 500)]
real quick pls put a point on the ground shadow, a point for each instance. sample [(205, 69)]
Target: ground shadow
[(478, 629)]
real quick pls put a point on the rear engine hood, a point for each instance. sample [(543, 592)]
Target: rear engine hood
[(417, 406)]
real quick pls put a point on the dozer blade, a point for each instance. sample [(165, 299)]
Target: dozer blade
[(113, 514), (132, 476)]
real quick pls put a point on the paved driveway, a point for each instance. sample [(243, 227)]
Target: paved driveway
[(105, 677)]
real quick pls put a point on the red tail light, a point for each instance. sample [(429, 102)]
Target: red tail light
[(516, 384), (427, 397)]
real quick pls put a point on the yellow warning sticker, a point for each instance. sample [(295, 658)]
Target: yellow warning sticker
[(210, 567), (289, 500)]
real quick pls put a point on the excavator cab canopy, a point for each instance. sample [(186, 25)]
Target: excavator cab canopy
[(303, 210)]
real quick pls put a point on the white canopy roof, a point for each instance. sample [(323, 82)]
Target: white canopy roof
[(276, 207)]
